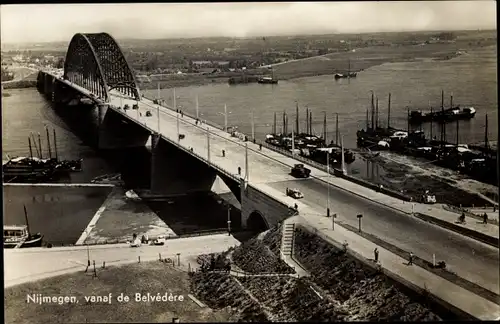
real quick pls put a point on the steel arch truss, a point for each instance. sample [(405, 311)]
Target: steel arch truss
[(96, 63)]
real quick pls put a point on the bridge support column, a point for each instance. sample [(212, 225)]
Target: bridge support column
[(117, 132), (176, 172), (259, 210)]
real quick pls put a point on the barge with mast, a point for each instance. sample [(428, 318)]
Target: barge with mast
[(459, 157), (19, 236), (35, 169)]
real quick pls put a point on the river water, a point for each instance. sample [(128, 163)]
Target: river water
[(471, 78)]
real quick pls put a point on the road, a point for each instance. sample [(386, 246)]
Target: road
[(24, 265), (406, 232), (470, 259)]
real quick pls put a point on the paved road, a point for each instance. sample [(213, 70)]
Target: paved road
[(399, 229), (470, 259), (406, 232), (24, 265)]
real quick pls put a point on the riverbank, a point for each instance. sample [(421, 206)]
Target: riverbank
[(360, 59), (21, 84)]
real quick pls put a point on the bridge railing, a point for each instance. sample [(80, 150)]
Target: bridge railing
[(208, 122), (187, 150)]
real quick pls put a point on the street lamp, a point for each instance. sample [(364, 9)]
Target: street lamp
[(229, 220), (328, 183), (197, 108), (359, 222), (208, 145)]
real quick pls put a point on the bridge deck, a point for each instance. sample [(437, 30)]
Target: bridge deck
[(268, 172)]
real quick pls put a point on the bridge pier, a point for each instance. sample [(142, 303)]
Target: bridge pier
[(259, 211), (175, 172), (116, 132)]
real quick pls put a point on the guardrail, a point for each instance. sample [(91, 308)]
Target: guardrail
[(459, 210), (338, 173), (333, 171), (150, 238), (396, 278), (490, 240)]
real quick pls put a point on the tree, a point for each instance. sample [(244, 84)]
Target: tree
[(60, 63)]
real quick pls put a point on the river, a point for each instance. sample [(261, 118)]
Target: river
[(470, 77)]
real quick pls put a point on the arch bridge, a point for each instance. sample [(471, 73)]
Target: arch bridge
[(96, 62)]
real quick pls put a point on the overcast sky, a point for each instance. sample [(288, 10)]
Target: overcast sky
[(57, 22)]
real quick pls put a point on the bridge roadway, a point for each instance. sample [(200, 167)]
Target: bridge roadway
[(269, 172)]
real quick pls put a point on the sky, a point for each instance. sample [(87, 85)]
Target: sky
[(59, 22)]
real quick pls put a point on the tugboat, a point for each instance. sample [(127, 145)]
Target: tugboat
[(268, 80), (447, 115), (347, 75), (19, 236), (443, 115)]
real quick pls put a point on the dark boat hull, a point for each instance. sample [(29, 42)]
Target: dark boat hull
[(268, 81), (34, 241), (419, 119)]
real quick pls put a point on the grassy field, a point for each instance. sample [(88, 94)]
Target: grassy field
[(367, 57), (151, 277)]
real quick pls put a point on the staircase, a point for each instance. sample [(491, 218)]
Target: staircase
[(287, 239)]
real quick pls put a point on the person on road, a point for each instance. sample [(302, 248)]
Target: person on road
[(461, 219), (223, 153), (239, 170), (410, 259), (375, 252), (485, 218), (260, 147)]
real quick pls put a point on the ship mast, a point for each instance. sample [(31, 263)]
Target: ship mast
[(55, 145), (26, 219), (48, 142), (486, 143), (31, 151), (324, 128), (337, 127), (297, 117), (275, 130), (389, 112), (373, 112)]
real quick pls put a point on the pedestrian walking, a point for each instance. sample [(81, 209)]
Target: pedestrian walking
[(485, 218), (461, 219), (239, 170), (223, 153), (410, 261), (260, 147), (375, 252)]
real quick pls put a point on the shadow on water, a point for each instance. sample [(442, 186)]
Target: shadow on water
[(196, 213)]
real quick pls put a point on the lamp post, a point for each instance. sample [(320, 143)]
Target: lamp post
[(175, 103), (253, 127), (328, 183), (208, 145), (229, 220), (246, 161), (359, 222), (225, 117), (197, 108), (178, 129), (158, 119)]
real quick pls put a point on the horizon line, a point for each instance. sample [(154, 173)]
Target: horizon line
[(258, 36)]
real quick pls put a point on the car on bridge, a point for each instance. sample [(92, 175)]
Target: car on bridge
[(294, 193), (300, 171)]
